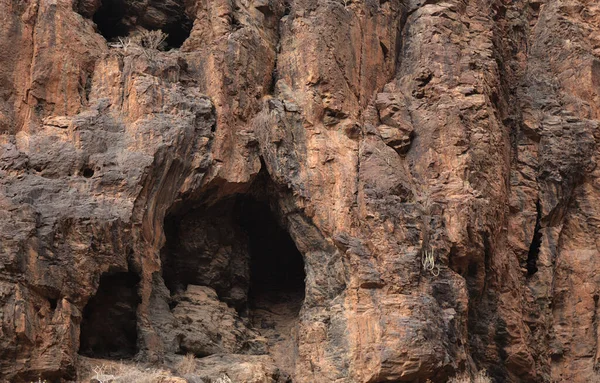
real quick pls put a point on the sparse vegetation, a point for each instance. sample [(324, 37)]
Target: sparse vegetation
[(187, 365), (125, 43), (480, 377), (428, 261), (428, 258), (263, 124), (119, 372), (148, 41), (113, 371)]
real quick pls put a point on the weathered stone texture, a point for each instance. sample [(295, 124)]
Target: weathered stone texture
[(376, 132)]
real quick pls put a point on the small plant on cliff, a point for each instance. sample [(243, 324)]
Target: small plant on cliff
[(265, 125), (125, 43), (480, 377), (428, 261), (148, 41), (187, 365), (104, 371), (223, 379)]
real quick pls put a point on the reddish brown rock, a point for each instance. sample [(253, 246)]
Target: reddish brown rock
[(363, 191), (206, 326)]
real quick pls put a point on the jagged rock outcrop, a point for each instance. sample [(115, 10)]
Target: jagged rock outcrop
[(303, 157)]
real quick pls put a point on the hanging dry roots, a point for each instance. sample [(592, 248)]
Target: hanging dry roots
[(428, 261)]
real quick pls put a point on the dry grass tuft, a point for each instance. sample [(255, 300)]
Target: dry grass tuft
[(119, 372), (223, 379), (187, 365), (265, 120), (147, 41), (480, 377), (264, 126)]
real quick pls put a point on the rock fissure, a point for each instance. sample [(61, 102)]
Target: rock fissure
[(536, 242)]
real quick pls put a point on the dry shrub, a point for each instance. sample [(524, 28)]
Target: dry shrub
[(480, 377), (187, 365), (265, 126), (119, 372), (148, 41), (264, 120)]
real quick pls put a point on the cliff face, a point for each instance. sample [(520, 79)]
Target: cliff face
[(327, 191)]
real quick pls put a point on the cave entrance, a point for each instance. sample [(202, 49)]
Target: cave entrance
[(241, 248), (109, 323), (121, 18), (238, 247)]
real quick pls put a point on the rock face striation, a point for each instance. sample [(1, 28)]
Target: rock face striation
[(301, 190)]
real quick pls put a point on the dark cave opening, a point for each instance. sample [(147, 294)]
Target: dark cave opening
[(53, 303), (109, 321), (119, 18), (178, 31), (205, 247), (88, 172), (110, 19), (238, 247), (277, 280), (276, 266)]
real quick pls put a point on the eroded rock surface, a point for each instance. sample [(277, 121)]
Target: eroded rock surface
[(207, 326), (433, 163)]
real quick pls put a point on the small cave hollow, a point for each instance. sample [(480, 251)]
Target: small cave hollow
[(87, 172), (178, 31), (53, 303), (121, 18), (110, 19), (109, 321)]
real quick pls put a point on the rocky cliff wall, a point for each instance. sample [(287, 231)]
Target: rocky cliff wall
[(409, 188)]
